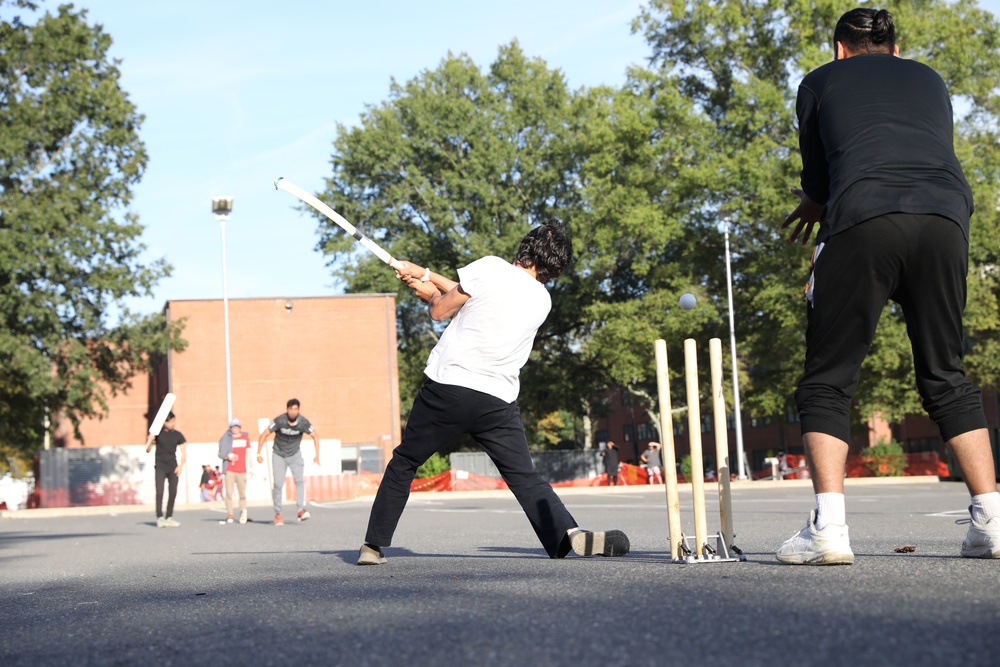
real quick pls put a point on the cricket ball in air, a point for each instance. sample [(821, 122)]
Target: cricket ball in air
[(688, 301)]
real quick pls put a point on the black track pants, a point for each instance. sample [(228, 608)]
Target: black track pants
[(918, 261)]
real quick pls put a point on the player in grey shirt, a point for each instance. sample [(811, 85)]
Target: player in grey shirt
[(288, 429), (654, 466)]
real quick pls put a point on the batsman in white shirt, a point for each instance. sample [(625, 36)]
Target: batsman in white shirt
[(472, 386)]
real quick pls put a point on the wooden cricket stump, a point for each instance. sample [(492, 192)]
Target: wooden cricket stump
[(724, 550)]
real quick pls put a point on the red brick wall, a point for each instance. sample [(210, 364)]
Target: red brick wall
[(337, 355)]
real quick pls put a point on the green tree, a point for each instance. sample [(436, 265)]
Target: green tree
[(69, 252), (460, 163), (739, 63)]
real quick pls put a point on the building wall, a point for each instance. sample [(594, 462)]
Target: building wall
[(337, 355)]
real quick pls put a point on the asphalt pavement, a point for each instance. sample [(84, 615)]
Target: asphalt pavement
[(468, 584)]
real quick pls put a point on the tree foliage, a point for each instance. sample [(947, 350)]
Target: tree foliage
[(740, 63), (460, 162), (69, 252)]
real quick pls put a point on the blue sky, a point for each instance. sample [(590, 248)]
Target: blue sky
[(236, 93)]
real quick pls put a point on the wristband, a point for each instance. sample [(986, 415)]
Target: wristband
[(427, 275)]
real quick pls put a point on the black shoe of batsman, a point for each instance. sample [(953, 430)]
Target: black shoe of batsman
[(596, 543)]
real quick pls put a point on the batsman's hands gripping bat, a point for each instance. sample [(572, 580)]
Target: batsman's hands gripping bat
[(425, 290)]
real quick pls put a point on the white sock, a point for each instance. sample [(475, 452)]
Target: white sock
[(985, 507), (830, 508)]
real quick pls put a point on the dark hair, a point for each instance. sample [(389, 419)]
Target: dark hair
[(866, 30), (546, 249), (291, 402), (169, 417)]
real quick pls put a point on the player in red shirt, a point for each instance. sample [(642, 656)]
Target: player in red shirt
[(237, 459)]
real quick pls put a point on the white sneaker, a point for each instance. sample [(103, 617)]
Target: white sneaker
[(982, 540), (370, 556), (830, 546)]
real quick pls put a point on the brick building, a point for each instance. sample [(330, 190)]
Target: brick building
[(337, 355)]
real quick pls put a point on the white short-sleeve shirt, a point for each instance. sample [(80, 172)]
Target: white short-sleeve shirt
[(489, 339)]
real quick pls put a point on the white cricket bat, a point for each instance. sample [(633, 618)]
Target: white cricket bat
[(281, 183), (161, 414)]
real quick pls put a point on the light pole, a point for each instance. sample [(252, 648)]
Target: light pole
[(222, 207), (742, 473)]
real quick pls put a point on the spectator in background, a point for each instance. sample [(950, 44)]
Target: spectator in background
[(654, 463), (611, 463), (236, 461), (206, 483), (217, 483), (167, 469)]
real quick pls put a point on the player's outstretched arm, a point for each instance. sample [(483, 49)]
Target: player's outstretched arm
[(443, 306), (184, 458), (315, 438), (260, 444)]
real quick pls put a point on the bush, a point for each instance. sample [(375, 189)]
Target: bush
[(433, 466), (885, 459)]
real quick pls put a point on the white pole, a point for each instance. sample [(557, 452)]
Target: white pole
[(741, 468), (225, 309)]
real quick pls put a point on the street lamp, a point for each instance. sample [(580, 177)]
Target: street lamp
[(742, 473), (222, 207)]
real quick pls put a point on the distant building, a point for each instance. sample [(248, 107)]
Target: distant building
[(336, 354)]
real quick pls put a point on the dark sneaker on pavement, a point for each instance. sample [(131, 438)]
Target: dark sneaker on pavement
[(597, 543)]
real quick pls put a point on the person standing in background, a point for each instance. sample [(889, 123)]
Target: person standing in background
[(611, 463), (236, 462), (166, 469)]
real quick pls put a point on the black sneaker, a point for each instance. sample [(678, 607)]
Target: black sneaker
[(591, 543)]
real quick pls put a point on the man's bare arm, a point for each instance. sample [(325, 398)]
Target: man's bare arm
[(316, 446)]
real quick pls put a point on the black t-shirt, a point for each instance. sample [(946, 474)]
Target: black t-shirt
[(166, 448), (610, 459), (875, 133)]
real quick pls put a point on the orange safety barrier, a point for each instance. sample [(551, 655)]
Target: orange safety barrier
[(349, 485)]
